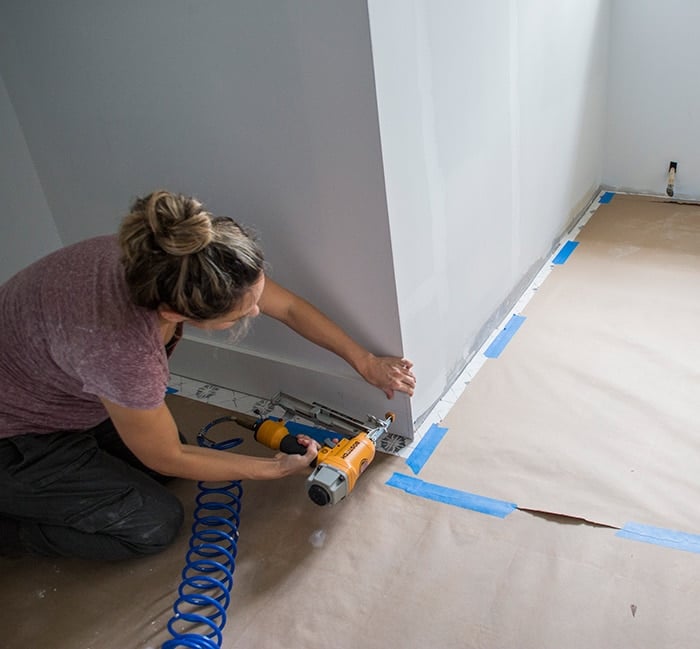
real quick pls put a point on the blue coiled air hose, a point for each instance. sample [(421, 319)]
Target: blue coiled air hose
[(207, 578)]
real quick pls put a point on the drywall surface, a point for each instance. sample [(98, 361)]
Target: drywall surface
[(411, 212), (265, 111), (654, 97), (27, 230), (491, 117)]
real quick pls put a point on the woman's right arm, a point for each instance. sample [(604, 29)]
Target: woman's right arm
[(152, 436)]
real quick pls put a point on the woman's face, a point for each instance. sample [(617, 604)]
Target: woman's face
[(248, 308)]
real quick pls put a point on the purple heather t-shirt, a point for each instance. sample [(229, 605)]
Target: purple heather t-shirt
[(69, 334)]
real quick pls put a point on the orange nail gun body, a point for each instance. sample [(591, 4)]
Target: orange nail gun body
[(339, 467)]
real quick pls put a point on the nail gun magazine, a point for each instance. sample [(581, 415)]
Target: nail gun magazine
[(348, 445)]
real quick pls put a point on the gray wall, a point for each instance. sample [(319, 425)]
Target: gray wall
[(492, 119), (27, 229), (264, 110), (654, 97), (412, 212)]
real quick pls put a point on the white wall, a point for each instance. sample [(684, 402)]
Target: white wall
[(492, 119), (654, 96), (413, 212), (264, 110), (27, 230)]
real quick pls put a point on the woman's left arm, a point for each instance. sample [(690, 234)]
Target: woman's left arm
[(388, 373)]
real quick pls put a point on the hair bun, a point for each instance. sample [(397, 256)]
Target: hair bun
[(179, 224)]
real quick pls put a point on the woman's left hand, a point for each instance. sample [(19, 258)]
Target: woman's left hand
[(389, 373)]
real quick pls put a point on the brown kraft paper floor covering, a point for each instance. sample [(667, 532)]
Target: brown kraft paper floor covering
[(587, 406)]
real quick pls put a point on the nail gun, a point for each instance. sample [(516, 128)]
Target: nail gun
[(340, 462)]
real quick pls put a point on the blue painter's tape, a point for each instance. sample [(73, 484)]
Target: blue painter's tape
[(498, 345), (565, 252), (661, 536), (170, 390), (463, 499), (425, 448), (607, 197)]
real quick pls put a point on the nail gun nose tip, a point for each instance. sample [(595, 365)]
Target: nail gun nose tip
[(319, 495)]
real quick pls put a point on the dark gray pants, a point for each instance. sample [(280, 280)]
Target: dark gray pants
[(83, 494)]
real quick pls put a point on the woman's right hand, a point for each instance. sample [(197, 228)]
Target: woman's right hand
[(295, 463)]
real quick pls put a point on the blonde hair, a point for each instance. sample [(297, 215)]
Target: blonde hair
[(176, 254)]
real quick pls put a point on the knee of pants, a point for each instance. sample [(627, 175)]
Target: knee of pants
[(155, 526)]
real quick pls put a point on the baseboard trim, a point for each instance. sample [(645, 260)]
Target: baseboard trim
[(244, 371)]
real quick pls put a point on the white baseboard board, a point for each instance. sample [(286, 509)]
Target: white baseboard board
[(247, 372)]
